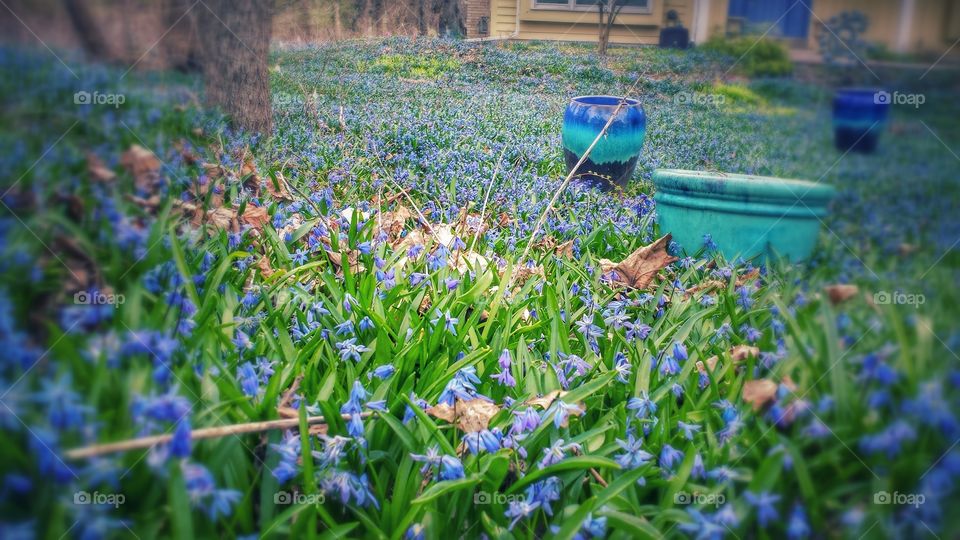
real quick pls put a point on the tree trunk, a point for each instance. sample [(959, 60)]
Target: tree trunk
[(236, 42), (87, 29), (182, 43)]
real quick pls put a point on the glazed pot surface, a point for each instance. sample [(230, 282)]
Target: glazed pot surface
[(859, 117), (612, 161), (744, 216)]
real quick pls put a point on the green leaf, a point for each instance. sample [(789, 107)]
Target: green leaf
[(447, 486)]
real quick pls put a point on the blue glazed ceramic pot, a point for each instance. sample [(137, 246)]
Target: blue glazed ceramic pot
[(859, 116), (612, 161), (745, 216)]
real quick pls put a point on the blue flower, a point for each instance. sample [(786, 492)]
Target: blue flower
[(562, 412), (633, 456), (350, 349), (798, 527), (643, 406), (556, 452), (382, 372), (449, 467), (764, 503), (449, 322), (670, 457), (688, 429)]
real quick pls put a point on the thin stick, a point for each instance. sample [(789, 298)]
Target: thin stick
[(566, 181), (486, 197), (197, 434)]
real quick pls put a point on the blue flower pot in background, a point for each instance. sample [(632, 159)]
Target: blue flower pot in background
[(744, 216), (859, 117), (612, 161)]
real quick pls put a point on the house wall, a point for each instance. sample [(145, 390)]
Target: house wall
[(929, 29), (562, 25), (475, 10)]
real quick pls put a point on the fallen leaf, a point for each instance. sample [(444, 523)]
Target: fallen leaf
[(278, 188), (759, 392), (565, 249), (469, 416), (465, 261), (906, 249), (841, 292), (143, 165), (640, 268), (545, 400), (740, 353), (255, 216), (98, 171), (442, 411), (264, 266), (475, 415)]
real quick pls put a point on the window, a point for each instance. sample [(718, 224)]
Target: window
[(629, 6)]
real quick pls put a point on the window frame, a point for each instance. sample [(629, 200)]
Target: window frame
[(571, 6)]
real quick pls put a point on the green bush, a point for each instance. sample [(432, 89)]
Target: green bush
[(758, 57)]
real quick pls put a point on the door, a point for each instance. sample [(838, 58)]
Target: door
[(792, 18)]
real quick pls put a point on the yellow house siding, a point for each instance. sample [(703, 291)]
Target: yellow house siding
[(562, 25), (929, 31)]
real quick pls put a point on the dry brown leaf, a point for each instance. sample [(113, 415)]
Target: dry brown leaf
[(841, 292), (213, 170), (221, 218), (759, 392), (395, 221), (264, 266), (905, 249), (640, 268), (98, 171), (475, 415), (464, 261), (545, 400), (353, 259), (143, 165), (424, 305), (442, 411), (470, 416), (255, 216), (565, 249), (278, 190), (740, 353)]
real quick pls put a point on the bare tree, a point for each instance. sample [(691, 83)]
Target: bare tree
[(182, 41), (236, 41), (608, 10), (85, 25)]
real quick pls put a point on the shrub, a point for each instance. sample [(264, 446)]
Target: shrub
[(758, 57)]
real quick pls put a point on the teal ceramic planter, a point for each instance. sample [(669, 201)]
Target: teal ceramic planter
[(612, 161), (745, 216)]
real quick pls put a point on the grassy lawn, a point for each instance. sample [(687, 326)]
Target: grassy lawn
[(364, 264)]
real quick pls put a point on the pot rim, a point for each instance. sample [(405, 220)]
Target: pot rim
[(613, 101), (744, 187), (861, 90)]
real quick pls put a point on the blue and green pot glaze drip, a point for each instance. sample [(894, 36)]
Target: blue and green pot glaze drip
[(612, 161), (859, 117)]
